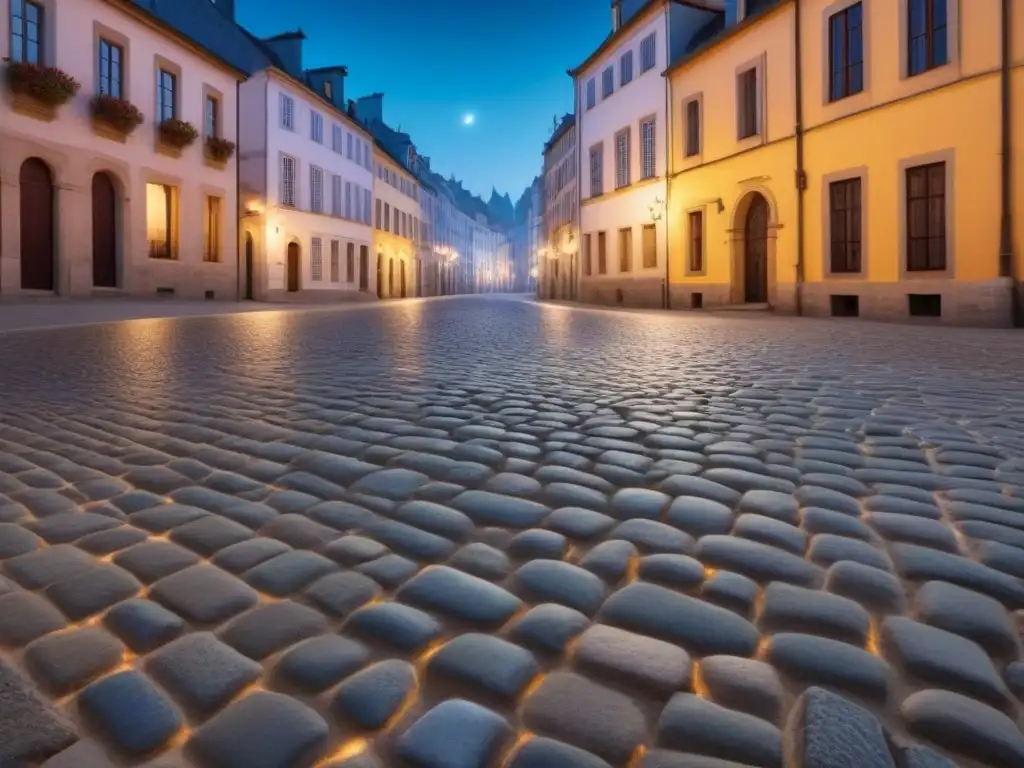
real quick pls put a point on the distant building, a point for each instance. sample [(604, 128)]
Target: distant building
[(622, 129), (396, 226), (92, 202), (559, 262)]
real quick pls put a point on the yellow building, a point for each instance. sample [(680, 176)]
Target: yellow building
[(396, 226), (845, 157)]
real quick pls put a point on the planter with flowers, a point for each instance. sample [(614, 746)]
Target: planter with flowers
[(114, 118), (174, 135), (218, 151), (38, 91)]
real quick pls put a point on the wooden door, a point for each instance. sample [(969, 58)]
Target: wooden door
[(248, 266), (104, 231), (401, 278), (38, 252), (391, 278), (294, 264), (364, 267), (380, 276), (755, 252)]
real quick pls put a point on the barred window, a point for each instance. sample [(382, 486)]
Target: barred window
[(647, 53), (316, 189), (625, 68), (647, 157), (336, 195), (288, 174), (335, 246), (350, 262), (596, 170), (316, 264), (622, 159)]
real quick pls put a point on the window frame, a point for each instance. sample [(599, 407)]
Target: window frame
[(929, 36), (210, 97), (316, 191), (21, 32), (335, 260), (286, 110), (848, 64), (166, 73), (591, 93), (696, 241), (852, 226), (350, 262), (105, 74), (213, 214), (284, 197), (602, 253), (690, 126), (925, 166), (316, 259), (652, 40), (652, 262), (170, 246), (626, 72), (596, 152), (748, 117), (607, 82), (587, 266), (623, 158), (652, 121), (625, 249)]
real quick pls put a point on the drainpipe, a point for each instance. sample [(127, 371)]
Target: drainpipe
[(667, 297), (801, 173), (1007, 263), (238, 196)]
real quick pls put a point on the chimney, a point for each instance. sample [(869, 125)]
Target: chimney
[(288, 48), (329, 82), (616, 14), (732, 12), (370, 108)]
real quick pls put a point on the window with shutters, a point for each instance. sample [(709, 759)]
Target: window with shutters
[(607, 82), (366, 205), (647, 52), (335, 256), (650, 246), (622, 158), (926, 217), (350, 262), (27, 32), (591, 93), (336, 199), (316, 260), (387, 217), (747, 117), (337, 135), (625, 68), (625, 250), (348, 201), (596, 170), (692, 127), (695, 246), (287, 112), (316, 127), (648, 166), (316, 189), (844, 204), (602, 254), (289, 173)]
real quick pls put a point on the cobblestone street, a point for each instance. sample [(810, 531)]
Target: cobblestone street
[(489, 532)]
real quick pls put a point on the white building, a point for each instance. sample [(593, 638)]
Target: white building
[(622, 127), (91, 203), (307, 193)]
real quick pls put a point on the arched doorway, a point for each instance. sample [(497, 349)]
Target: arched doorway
[(391, 278), (294, 263), (364, 267), (38, 251), (248, 266), (380, 276), (401, 279), (755, 251), (104, 231)]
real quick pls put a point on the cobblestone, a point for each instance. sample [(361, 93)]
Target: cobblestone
[(370, 697), (328, 510)]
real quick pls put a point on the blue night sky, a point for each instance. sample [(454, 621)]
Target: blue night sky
[(436, 60)]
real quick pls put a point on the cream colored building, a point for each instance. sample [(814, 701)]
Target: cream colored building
[(396, 221), (91, 203), (558, 276)]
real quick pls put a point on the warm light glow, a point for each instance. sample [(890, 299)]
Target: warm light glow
[(158, 216)]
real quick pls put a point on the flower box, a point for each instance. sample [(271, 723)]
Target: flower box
[(38, 91), (219, 151), (114, 118), (174, 135)]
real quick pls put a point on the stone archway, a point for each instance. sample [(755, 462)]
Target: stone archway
[(38, 226), (754, 234)]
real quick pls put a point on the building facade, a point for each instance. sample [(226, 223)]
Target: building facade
[(893, 202), (396, 224), (123, 179), (622, 125), (559, 267), (307, 188)]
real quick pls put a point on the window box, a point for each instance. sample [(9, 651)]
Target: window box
[(114, 118), (218, 151), (38, 91), (174, 135)]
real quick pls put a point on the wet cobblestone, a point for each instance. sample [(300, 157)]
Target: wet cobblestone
[(478, 533)]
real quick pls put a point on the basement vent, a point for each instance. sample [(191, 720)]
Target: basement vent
[(844, 305), (164, 291), (924, 304), (696, 300), (209, 295)]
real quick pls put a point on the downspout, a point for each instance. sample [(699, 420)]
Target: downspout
[(801, 172), (1007, 263), (666, 299), (238, 196), (264, 218)]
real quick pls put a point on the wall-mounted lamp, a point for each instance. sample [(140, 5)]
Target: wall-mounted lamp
[(657, 208), (720, 205)]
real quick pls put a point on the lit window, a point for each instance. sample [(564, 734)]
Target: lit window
[(211, 228), (160, 220)]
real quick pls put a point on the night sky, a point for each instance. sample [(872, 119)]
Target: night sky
[(503, 61)]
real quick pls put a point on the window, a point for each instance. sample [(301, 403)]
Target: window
[(625, 249), (316, 127), (316, 260), (846, 52), (596, 163), (110, 73), (211, 229), (160, 218), (647, 165), (625, 68), (602, 254), (328, 90), (607, 82), (336, 195), (586, 255), (26, 32), (926, 217), (844, 204), (692, 127), (591, 93), (647, 53), (622, 159), (377, 220), (211, 117), (337, 139), (287, 112), (650, 246), (746, 86), (316, 189), (366, 205), (350, 263), (696, 222), (927, 30), (288, 174), (166, 95), (335, 257)]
